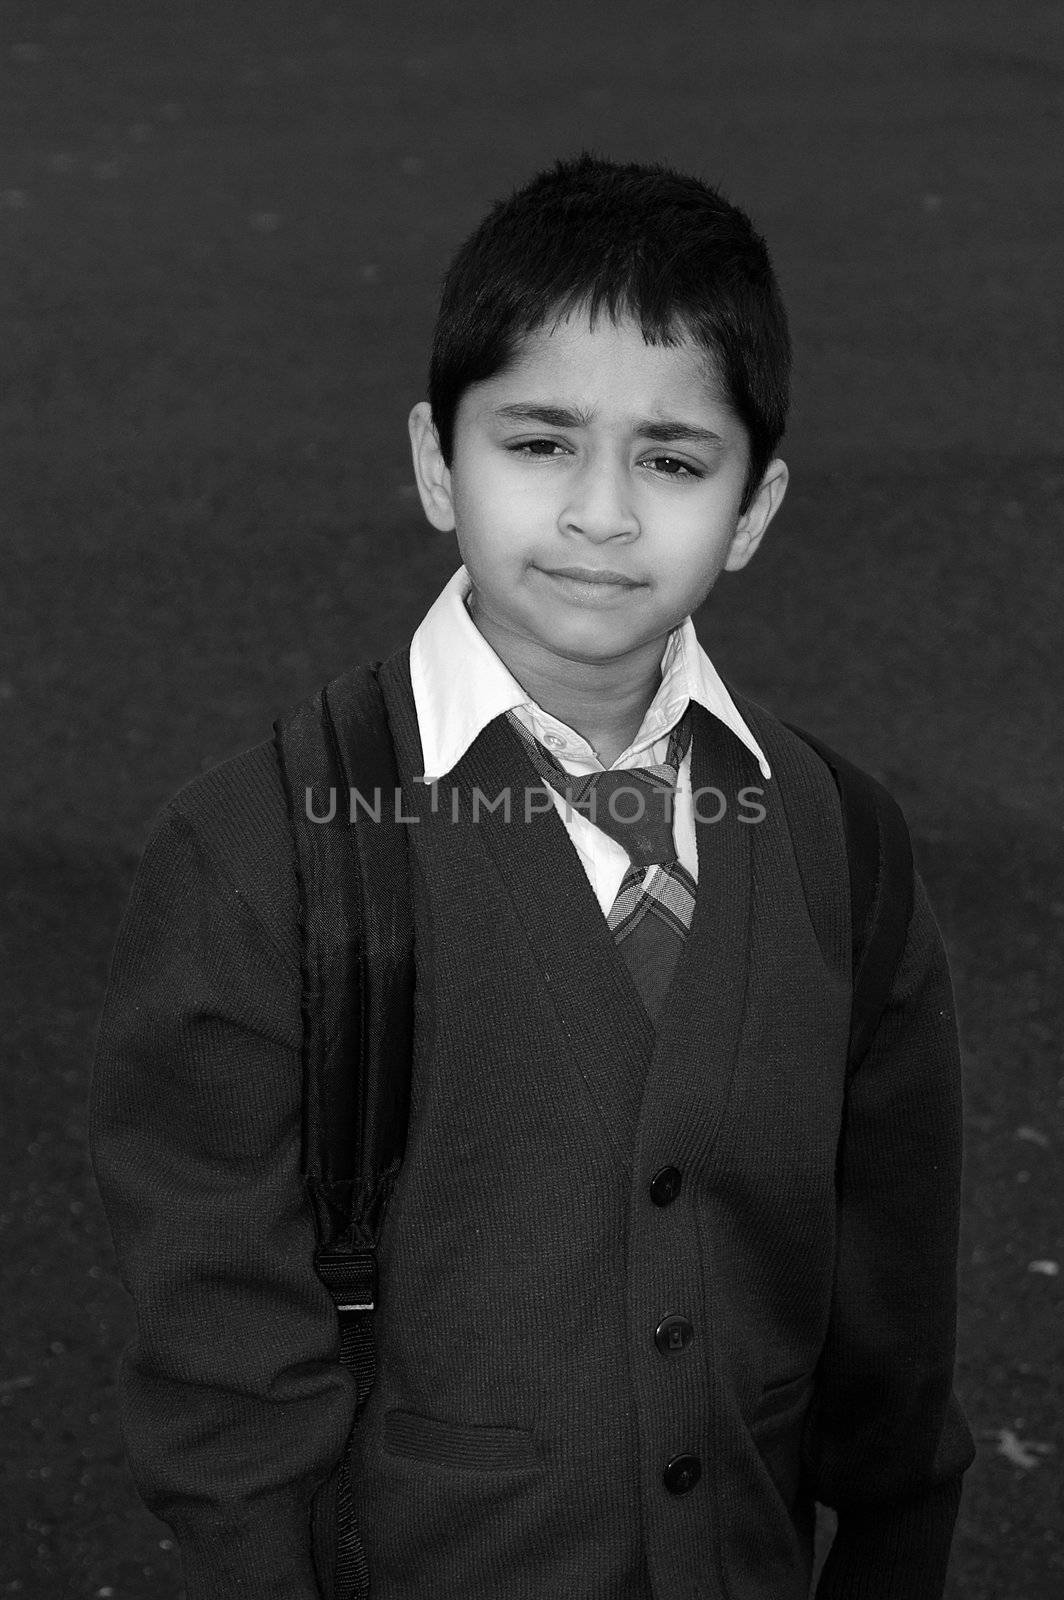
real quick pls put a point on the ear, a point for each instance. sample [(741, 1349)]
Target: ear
[(750, 528), (430, 470)]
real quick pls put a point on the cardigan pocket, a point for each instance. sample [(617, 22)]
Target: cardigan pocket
[(778, 1398), (776, 1426), (459, 1445)]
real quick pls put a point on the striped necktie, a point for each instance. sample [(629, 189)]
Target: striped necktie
[(655, 883)]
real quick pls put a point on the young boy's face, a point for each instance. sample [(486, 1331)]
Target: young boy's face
[(594, 488)]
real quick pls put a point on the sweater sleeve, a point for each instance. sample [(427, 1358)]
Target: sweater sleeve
[(888, 1443), (234, 1405)]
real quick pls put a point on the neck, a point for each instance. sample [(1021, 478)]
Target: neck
[(604, 701)]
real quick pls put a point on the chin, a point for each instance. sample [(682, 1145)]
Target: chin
[(591, 643)]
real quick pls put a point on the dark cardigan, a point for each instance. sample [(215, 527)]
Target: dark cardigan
[(523, 1435)]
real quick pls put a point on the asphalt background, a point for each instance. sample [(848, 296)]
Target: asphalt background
[(222, 228)]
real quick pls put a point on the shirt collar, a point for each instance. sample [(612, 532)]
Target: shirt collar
[(460, 685)]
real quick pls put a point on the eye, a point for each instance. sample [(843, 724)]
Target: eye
[(535, 447), (672, 467)]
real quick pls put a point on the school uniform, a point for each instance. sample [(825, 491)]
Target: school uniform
[(651, 1281)]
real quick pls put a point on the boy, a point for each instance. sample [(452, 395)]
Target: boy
[(657, 1275)]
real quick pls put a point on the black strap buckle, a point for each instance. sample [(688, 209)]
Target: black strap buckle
[(351, 1278)]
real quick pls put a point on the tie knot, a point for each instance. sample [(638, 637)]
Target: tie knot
[(633, 805)]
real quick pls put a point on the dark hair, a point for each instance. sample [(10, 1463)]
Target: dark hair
[(639, 241)]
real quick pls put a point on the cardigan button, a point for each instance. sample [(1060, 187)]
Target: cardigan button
[(665, 1186), (681, 1474), (673, 1333)]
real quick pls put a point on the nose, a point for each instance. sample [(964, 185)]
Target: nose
[(599, 503)]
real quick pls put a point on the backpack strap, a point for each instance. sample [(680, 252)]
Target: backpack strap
[(879, 852), (358, 983)]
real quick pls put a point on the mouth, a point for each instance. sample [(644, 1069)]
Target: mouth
[(595, 575)]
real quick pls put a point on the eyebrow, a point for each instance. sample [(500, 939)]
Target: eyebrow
[(664, 431)]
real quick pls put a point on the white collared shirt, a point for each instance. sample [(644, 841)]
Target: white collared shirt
[(460, 685)]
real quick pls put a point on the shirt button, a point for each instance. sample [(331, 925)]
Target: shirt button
[(665, 1186), (673, 1333), (554, 740), (681, 1474)]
